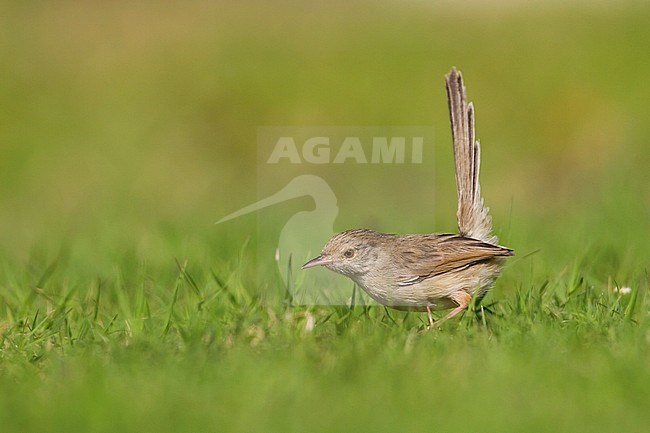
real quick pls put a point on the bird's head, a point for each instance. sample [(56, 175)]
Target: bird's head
[(351, 253)]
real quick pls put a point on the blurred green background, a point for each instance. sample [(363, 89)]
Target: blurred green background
[(137, 122), (127, 130)]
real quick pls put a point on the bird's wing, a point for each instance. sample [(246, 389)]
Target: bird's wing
[(433, 255)]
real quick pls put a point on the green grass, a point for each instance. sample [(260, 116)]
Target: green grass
[(201, 353), (127, 131)]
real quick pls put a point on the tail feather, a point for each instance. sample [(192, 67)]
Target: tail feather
[(473, 217)]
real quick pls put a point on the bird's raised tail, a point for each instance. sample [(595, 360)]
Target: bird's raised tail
[(474, 219)]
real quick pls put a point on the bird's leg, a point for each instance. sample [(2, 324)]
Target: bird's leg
[(430, 317), (462, 299)]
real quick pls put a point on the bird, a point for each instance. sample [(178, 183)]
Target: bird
[(425, 272)]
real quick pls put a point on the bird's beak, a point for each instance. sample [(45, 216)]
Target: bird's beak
[(317, 261)]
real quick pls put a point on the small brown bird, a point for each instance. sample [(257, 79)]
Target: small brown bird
[(422, 272)]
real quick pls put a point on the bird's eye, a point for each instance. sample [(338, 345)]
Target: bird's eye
[(348, 254)]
